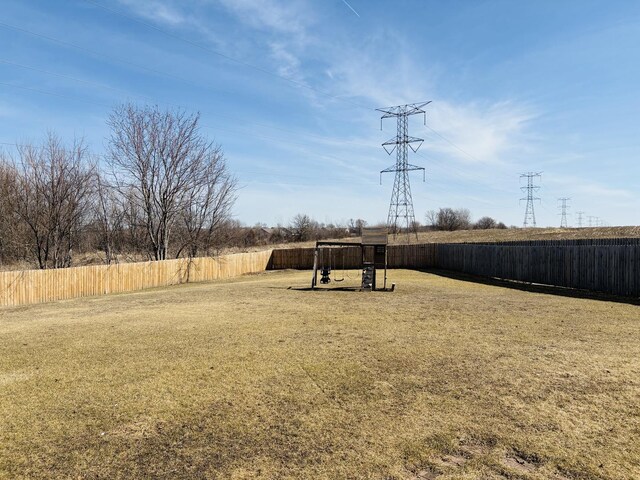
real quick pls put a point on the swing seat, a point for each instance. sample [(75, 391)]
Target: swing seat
[(325, 272)]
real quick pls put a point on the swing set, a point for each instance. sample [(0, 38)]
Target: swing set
[(369, 256), (329, 265)]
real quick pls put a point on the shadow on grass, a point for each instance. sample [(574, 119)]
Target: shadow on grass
[(326, 289), (337, 289), (534, 287)]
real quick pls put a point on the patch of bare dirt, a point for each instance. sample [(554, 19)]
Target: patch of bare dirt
[(519, 464), (424, 475)]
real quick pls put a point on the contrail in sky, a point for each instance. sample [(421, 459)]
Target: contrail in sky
[(347, 4)]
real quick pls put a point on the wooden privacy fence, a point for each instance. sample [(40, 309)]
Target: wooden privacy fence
[(412, 256), (610, 268), (37, 286), (302, 258), (398, 256), (601, 265)]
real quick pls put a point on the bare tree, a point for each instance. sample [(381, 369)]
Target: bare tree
[(302, 227), (51, 197), (207, 206), (485, 223), (109, 219), (8, 229), (450, 219), (356, 226), (135, 231), (279, 234), (160, 159), (432, 218)]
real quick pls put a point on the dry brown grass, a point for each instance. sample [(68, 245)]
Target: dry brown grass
[(248, 379), (516, 234)]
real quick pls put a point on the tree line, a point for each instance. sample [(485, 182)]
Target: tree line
[(459, 219), (301, 228), (162, 190)]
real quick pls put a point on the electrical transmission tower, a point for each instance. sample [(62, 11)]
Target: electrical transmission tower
[(529, 213), (579, 215), (563, 211), (401, 205)]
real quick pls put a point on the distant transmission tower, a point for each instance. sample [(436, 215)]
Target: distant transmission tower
[(563, 209), (591, 218), (529, 213), (579, 215), (401, 205)]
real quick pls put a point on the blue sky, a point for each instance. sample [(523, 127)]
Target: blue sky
[(289, 88)]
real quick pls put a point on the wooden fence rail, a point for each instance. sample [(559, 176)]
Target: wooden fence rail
[(37, 286)]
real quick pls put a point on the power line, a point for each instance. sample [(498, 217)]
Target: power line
[(579, 218), (137, 66), (97, 54), (55, 94), (223, 55), (126, 62), (214, 127), (454, 145), (131, 64), (116, 59), (280, 141), (217, 128), (464, 181), (85, 100), (341, 181), (76, 79), (88, 82), (466, 153), (255, 67), (175, 77)]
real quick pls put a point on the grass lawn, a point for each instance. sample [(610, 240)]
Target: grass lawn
[(248, 379)]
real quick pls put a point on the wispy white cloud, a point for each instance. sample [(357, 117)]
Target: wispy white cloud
[(158, 11), (278, 30), (178, 16), (364, 73), (481, 133), (285, 23), (488, 132), (288, 64), (586, 188), (291, 17), (283, 27)]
